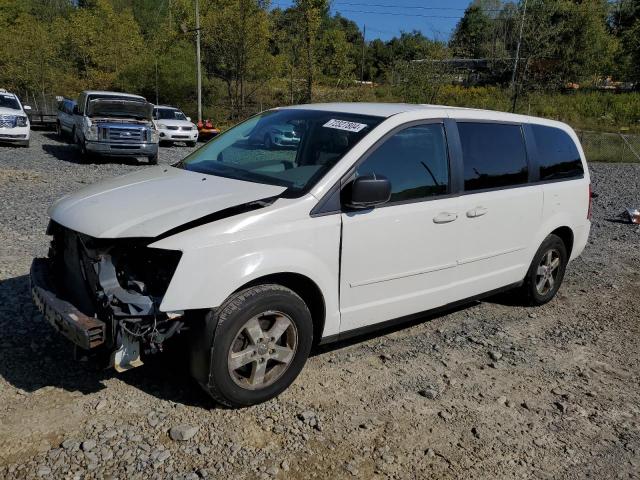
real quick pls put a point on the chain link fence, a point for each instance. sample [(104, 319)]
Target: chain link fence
[(610, 147)]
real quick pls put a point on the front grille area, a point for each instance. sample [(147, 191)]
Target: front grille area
[(187, 129), (126, 135), (171, 127), (139, 269), (8, 121)]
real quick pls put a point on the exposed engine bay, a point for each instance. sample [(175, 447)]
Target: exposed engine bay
[(120, 282)]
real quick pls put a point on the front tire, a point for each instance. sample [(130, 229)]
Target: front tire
[(153, 159), (253, 346), (546, 272)]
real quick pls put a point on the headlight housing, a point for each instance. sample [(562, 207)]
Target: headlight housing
[(91, 133), (155, 135), (162, 125), (21, 121)]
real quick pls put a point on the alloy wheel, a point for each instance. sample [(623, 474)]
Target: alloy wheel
[(262, 350), (547, 272)]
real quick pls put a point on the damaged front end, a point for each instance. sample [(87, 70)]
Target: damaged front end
[(106, 293)]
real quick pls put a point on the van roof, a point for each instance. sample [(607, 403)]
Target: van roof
[(389, 109)]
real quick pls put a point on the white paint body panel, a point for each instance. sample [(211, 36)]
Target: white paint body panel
[(395, 260), (152, 201)]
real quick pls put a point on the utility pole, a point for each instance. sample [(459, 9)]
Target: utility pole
[(198, 63), (157, 101), (515, 64), (364, 43)]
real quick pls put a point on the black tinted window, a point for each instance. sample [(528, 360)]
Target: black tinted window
[(557, 154), (494, 155), (414, 160)]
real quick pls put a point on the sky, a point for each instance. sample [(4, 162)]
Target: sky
[(387, 18)]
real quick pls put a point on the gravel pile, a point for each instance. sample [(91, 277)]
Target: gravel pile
[(493, 390)]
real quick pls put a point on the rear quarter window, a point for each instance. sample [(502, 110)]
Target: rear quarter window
[(494, 155), (558, 155)]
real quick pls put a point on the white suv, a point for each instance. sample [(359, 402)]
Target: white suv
[(14, 122), (382, 212), (174, 126)]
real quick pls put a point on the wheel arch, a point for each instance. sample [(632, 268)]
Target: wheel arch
[(306, 289), (566, 235)]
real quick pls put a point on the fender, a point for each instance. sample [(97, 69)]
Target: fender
[(220, 258)]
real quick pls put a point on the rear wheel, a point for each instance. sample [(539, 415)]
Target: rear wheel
[(85, 155), (253, 346), (546, 272)]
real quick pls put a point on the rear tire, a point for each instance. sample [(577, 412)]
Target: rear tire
[(253, 346), (85, 155), (546, 272)]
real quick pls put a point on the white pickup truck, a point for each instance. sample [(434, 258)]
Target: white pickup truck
[(115, 124)]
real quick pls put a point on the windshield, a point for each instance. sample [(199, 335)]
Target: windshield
[(169, 114), (9, 101), (293, 148), (140, 110)]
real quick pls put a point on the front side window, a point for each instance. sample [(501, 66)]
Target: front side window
[(293, 148), (494, 155), (558, 155), (414, 160)]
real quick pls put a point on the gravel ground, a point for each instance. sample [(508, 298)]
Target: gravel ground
[(491, 390)]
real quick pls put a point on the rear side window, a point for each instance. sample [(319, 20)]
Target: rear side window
[(558, 155), (415, 161), (494, 155)]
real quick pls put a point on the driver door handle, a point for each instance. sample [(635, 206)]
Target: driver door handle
[(445, 217), (477, 212)]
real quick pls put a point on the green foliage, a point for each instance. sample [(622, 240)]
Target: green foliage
[(256, 57)]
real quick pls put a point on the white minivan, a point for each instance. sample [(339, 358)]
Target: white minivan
[(255, 253)]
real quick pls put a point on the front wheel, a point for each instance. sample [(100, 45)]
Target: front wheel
[(546, 272), (191, 144), (153, 159), (253, 346)]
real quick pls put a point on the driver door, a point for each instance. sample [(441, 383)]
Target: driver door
[(400, 258)]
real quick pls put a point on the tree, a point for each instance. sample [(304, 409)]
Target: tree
[(103, 44), (472, 34), (236, 40), (310, 13)]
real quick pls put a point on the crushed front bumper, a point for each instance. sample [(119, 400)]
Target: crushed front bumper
[(86, 332)]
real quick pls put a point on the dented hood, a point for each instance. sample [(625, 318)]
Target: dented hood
[(152, 201)]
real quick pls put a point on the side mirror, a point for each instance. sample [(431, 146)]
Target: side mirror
[(188, 119), (369, 191), (26, 108), (75, 110)]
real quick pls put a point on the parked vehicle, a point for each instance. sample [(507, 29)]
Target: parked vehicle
[(382, 212), (174, 126), (279, 135), (115, 124), (65, 120), (14, 121), (43, 111)]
